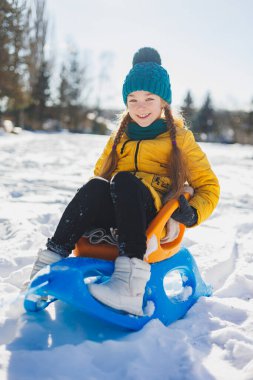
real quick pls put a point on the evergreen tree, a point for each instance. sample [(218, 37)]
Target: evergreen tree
[(72, 78), (71, 81), (38, 66), (76, 73), (250, 117), (41, 91), (12, 25), (63, 88), (205, 123), (187, 109)]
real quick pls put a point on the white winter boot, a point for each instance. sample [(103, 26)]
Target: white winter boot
[(126, 287), (45, 257)]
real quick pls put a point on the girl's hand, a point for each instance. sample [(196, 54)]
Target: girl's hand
[(185, 214)]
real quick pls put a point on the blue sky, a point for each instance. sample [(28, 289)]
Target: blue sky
[(205, 45)]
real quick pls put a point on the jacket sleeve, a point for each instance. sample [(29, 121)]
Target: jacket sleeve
[(104, 155), (201, 177)]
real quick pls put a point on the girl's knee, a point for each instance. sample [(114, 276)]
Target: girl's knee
[(122, 178), (98, 181), (94, 184), (123, 184)]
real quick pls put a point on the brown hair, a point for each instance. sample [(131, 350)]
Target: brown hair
[(111, 163), (176, 167)]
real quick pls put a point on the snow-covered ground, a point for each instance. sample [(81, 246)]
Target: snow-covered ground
[(39, 175)]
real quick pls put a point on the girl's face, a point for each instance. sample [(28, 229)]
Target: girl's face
[(144, 107)]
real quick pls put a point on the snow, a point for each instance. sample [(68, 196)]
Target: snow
[(39, 175)]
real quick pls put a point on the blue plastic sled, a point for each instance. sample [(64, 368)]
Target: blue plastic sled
[(67, 280)]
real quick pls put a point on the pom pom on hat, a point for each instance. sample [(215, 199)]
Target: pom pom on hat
[(147, 74), (147, 54)]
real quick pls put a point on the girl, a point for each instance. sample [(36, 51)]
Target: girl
[(145, 163)]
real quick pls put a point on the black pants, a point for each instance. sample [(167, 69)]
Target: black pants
[(123, 203)]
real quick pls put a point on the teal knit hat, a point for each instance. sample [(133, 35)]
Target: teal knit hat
[(147, 74)]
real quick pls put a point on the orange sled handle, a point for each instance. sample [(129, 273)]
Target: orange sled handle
[(156, 251)]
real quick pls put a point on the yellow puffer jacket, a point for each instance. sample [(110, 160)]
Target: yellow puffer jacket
[(148, 160)]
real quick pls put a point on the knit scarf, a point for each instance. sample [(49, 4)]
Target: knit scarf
[(135, 132)]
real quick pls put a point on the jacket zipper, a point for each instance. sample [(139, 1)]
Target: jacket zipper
[(136, 155), (123, 146)]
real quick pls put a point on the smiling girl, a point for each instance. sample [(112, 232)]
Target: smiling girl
[(146, 162)]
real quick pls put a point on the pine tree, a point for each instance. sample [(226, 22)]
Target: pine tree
[(63, 88), (72, 78), (250, 117), (188, 110), (12, 25), (41, 91), (205, 124), (38, 66)]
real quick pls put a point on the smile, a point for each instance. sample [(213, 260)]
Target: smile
[(143, 116)]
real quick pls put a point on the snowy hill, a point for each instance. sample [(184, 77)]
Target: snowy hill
[(39, 175)]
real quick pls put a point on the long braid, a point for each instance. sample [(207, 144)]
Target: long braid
[(112, 160), (125, 119), (176, 167)]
